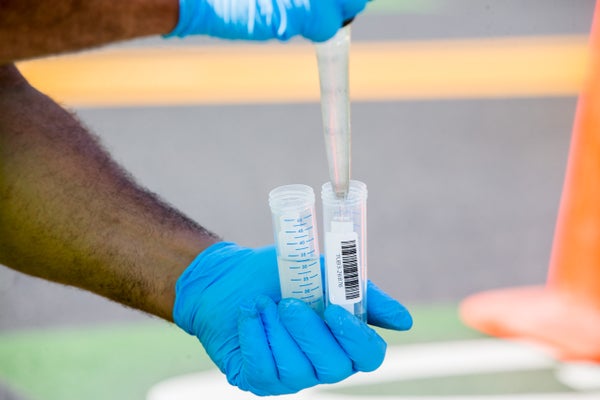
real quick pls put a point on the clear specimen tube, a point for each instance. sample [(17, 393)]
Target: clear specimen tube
[(345, 234), (297, 243)]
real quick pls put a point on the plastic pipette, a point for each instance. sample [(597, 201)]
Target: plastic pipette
[(332, 59)]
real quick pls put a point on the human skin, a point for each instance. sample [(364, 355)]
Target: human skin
[(34, 28), (70, 214)]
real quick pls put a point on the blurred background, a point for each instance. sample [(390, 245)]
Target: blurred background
[(464, 162), (463, 192)]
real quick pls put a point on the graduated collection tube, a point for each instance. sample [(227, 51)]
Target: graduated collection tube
[(297, 244), (345, 234)]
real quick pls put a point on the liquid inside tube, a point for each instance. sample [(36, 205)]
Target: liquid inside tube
[(297, 244), (345, 234)]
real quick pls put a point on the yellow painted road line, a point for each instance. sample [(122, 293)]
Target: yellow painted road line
[(273, 73)]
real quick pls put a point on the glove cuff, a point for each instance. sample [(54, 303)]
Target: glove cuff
[(190, 18), (197, 277)]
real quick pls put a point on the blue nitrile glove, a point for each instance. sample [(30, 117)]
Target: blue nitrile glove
[(317, 20), (228, 298)]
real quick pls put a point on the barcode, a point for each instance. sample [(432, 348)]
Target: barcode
[(350, 264)]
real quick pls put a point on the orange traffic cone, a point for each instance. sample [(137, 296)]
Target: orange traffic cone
[(565, 314)]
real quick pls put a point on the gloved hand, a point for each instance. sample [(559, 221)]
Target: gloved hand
[(317, 20), (228, 298)]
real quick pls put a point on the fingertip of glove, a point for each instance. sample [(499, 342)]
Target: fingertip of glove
[(397, 318), (294, 312), (320, 38), (290, 306), (339, 320), (336, 315), (404, 320), (363, 344), (385, 311)]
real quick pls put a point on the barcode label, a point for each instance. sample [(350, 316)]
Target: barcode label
[(350, 263), (342, 263)]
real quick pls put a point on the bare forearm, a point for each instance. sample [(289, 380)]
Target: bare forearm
[(69, 214), (32, 28)]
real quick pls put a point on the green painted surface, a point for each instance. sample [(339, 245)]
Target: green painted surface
[(123, 362), (103, 363), (433, 323)]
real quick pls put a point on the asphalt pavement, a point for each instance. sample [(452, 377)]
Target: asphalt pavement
[(463, 194)]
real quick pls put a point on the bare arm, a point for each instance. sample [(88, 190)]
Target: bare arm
[(69, 214), (32, 28)]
